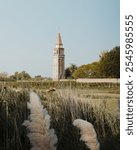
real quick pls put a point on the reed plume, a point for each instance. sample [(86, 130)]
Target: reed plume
[(88, 134), (38, 125)]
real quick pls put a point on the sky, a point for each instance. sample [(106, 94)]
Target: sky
[(29, 28)]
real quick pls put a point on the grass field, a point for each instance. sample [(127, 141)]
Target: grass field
[(96, 103)]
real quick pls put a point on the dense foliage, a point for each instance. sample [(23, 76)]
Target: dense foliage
[(87, 71), (69, 71), (107, 67), (21, 76), (110, 63)]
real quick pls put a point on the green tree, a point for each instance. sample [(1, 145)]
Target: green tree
[(21, 76), (107, 67), (39, 77), (110, 63), (24, 75), (69, 71), (87, 71)]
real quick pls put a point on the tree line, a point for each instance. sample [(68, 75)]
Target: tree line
[(18, 76), (108, 66)]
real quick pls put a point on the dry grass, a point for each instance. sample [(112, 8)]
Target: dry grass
[(64, 106)]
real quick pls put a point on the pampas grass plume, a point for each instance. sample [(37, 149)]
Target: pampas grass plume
[(88, 134), (38, 125)]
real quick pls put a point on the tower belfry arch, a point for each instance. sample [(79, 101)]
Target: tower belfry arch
[(58, 59)]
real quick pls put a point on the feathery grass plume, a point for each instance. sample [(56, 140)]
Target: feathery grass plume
[(88, 134), (40, 135)]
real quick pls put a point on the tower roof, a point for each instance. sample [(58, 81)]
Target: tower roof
[(59, 41)]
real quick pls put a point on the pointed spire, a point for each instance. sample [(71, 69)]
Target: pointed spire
[(59, 41)]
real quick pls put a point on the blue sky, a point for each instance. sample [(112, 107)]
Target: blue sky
[(28, 32)]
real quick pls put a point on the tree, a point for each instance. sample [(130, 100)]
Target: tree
[(21, 76), (3, 76), (24, 75), (87, 71), (107, 67), (69, 71), (110, 63), (39, 77)]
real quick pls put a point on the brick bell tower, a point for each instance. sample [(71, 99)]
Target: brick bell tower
[(58, 60)]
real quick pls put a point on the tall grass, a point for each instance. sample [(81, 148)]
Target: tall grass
[(63, 109), (13, 111), (41, 136), (88, 134), (57, 84)]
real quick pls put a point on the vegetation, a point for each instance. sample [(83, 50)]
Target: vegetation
[(97, 103), (57, 84), (4, 76), (41, 136), (87, 71), (21, 76), (110, 63), (107, 67), (88, 134), (69, 71), (64, 106), (13, 111)]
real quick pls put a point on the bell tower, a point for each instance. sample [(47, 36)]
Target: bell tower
[(58, 60)]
